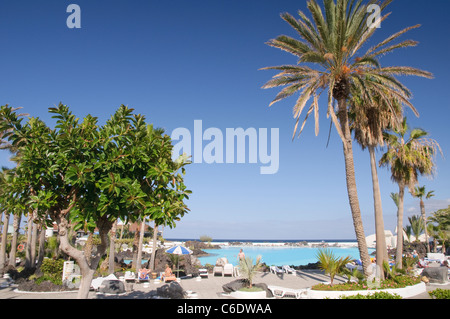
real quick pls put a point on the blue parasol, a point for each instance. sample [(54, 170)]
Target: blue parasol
[(179, 250)]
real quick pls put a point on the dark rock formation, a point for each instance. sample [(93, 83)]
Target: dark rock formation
[(172, 290)]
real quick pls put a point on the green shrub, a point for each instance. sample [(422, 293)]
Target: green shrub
[(376, 295), (440, 293), (57, 280), (52, 267), (399, 281)]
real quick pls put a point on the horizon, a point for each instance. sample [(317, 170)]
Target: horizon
[(180, 62)]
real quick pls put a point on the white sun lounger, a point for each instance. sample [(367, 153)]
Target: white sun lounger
[(276, 270), (281, 292), (228, 269), (288, 269)]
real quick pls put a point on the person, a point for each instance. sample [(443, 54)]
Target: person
[(168, 275), (241, 255), (414, 254), (143, 274)]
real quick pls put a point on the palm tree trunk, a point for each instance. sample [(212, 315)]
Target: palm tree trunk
[(34, 244), (424, 217), (381, 250), (28, 263), (3, 245), (351, 187), (41, 249), (112, 247), (16, 225), (399, 250), (135, 248), (152, 258), (141, 241)]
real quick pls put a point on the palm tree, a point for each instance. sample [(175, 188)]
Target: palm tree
[(248, 269), (331, 264), (417, 226), (420, 192), (408, 232), (331, 44), (407, 159), (370, 117)]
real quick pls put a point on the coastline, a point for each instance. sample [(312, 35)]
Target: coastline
[(271, 243), (207, 251)]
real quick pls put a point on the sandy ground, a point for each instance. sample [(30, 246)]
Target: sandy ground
[(206, 288)]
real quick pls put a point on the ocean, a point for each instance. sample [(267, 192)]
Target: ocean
[(277, 255)]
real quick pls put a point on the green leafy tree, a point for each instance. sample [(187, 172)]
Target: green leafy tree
[(91, 175), (441, 219), (330, 59)]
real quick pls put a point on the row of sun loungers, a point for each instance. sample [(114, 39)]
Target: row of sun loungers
[(285, 269)]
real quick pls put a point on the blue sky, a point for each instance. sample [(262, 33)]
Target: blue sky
[(181, 61)]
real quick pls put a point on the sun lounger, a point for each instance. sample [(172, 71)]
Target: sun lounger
[(129, 276), (143, 275), (218, 269), (228, 270), (288, 269), (163, 277), (276, 270), (203, 273), (282, 292)]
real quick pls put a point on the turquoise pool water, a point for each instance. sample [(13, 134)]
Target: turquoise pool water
[(276, 255)]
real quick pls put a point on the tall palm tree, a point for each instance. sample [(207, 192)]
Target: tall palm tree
[(370, 117), (407, 158), (420, 193), (331, 44)]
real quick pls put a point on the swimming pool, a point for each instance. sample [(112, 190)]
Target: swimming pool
[(276, 255)]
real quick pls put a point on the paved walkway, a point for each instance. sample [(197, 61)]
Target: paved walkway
[(207, 288)]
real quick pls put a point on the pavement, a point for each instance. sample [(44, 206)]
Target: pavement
[(206, 288)]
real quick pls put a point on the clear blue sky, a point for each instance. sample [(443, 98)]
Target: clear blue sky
[(180, 61)]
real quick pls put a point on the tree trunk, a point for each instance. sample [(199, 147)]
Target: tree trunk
[(3, 245), (41, 245), (28, 263), (381, 250), (135, 248), (399, 250), (13, 252), (351, 187), (152, 258), (112, 247), (34, 243), (424, 217), (141, 241), (87, 266)]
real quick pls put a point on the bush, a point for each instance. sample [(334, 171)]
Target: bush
[(397, 282), (57, 280), (52, 270), (52, 267), (376, 295), (440, 293)]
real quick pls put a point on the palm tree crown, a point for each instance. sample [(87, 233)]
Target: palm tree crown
[(331, 43), (409, 157)]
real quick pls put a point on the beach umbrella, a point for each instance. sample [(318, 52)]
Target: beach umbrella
[(179, 250)]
